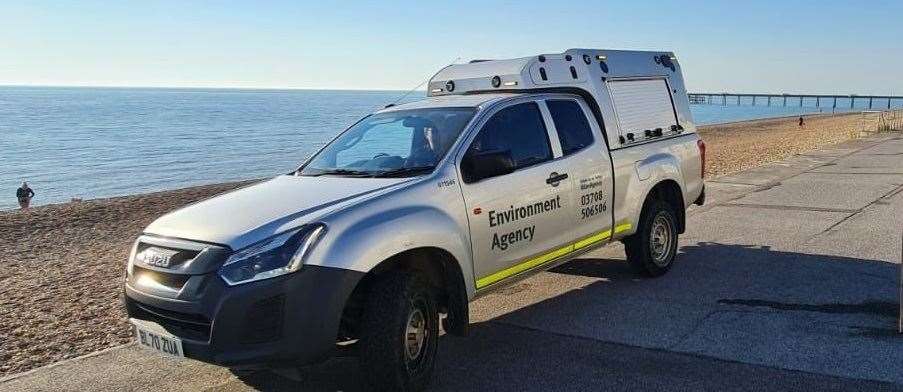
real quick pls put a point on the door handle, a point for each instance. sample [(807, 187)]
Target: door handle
[(555, 178)]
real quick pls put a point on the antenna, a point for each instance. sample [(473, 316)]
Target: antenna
[(421, 83)]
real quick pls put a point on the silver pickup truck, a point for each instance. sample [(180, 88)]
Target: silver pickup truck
[(507, 168)]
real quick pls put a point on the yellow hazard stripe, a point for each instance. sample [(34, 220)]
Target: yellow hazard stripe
[(549, 256), (622, 228), (529, 264), (592, 239)]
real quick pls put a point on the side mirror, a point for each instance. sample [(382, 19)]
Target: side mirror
[(481, 165)]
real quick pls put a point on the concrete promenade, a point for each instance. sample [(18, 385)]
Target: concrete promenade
[(786, 280)]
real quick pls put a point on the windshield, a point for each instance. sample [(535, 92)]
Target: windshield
[(401, 143)]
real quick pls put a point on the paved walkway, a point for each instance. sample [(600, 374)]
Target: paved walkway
[(787, 279)]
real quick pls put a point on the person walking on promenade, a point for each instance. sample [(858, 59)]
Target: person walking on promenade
[(24, 194)]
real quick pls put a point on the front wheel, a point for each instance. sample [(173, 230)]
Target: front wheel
[(400, 334), (653, 248)]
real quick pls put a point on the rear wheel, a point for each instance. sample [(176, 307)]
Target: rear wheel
[(653, 248), (400, 334)]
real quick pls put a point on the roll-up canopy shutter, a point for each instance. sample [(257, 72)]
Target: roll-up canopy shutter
[(642, 104)]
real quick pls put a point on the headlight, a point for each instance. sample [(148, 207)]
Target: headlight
[(279, 255)]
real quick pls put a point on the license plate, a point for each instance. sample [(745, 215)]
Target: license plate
[(154, 337)]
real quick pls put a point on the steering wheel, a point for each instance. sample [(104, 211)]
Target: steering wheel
[(382, 154)]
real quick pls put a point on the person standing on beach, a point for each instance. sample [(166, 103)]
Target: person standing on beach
[(24, 194), (802, 122)]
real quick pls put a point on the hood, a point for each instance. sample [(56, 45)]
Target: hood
[(253, 213)]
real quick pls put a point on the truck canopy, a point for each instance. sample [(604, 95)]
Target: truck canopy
[(638, 92)]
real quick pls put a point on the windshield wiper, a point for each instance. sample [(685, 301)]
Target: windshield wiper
[(341, 172), (405, 171)]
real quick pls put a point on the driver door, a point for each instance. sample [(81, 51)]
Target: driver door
[(517, 220)]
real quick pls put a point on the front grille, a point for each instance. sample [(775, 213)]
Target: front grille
[(184, 325), (181, 255), (264, 321), (172, 281)]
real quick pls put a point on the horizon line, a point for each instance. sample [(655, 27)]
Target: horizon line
[(201, 87), (271, 88)]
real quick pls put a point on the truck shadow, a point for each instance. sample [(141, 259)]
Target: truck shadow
[(590, 337)]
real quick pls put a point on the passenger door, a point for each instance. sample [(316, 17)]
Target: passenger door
[(517, 216), (584, 148)]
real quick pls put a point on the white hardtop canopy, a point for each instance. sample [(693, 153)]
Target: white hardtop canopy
[(592, 73), (551, 70)]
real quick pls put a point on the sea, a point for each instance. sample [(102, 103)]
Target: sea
[(85, 142)]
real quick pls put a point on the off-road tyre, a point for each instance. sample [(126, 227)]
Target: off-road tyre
[(645, 254), (393, 302)]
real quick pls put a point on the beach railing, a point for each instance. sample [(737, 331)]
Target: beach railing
[(891, 121), (875, 121)]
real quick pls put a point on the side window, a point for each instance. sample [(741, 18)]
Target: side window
[(572, 126), (518, 129)]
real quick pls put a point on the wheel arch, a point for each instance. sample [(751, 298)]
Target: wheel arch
[(669, 191), (440, 269)]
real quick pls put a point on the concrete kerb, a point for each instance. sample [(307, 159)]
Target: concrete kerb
[(63, 362), (725, 179)]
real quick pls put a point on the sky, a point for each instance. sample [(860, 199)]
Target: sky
[(762, 46)]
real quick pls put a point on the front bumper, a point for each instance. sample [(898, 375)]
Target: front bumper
[(292, 318)]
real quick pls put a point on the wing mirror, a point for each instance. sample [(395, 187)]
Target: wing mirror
[(485, 164)]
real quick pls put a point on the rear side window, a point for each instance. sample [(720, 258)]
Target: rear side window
[(572, 126), (519, 129)]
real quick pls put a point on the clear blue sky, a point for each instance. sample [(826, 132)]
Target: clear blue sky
[(750, 46)]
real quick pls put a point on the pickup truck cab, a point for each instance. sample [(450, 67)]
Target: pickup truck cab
[(384, 236)]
